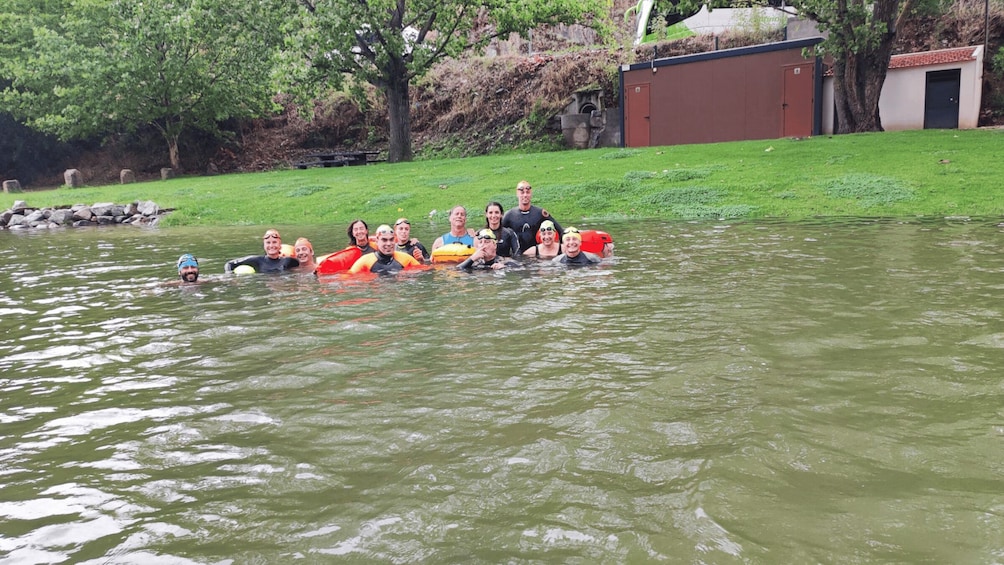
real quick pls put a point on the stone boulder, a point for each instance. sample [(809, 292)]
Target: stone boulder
[(73, 179)]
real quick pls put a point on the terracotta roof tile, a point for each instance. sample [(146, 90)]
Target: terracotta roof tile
[(939, 57)]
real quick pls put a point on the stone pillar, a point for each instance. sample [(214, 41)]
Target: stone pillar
[(167, 173), (73, 179), (10, 186), (127, 176)]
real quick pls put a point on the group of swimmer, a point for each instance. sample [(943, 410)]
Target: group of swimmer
[(505, 237)]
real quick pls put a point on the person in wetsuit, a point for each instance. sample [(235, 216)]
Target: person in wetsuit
[(188, 268), (508, 243), (574, 255), (408, 244), (525, 218), (386, 259), (459, 232), (271, 262), (550, 243), (359, 236), (304, 251), (485, 256)]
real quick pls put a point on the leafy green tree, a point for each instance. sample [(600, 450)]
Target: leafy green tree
[(861, 38), (85, 68), (389, 43)]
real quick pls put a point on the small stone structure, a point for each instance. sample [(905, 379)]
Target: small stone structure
[(11, 186), (73, 179), (166, 173), (587, 125), (127, 176), (20, 216)]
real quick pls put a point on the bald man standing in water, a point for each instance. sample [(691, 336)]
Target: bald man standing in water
[(525, 218)]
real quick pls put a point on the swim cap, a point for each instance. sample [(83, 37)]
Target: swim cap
[(187, 260), (547, 224), (384, 228), (271, 233), (304, 241), (572, 233), (486, 234)]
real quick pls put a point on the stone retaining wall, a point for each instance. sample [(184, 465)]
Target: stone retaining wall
[(21, 216)]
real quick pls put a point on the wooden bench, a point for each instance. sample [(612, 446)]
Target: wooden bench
[(338, 159)]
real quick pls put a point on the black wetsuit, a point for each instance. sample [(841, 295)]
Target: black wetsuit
[(263, 264), (583, 258), (410, 248), (365, 249), (381, 264), (508, 243), (469, 265), (526, 224)]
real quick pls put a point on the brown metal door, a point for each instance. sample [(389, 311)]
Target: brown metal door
[(637, 115), (797, 104)]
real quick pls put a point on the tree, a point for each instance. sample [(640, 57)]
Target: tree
[(85, 68), (389, 43), (861, 37)]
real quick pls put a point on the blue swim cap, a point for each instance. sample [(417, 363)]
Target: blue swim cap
[(187, 260)]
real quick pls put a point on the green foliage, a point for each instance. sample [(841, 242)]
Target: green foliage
[(998, 62), (391, 43), (757, 23), (98, 67), (868, 190)]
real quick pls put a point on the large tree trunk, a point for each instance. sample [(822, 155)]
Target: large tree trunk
[(399, 113), (172, 149), (858, 74)]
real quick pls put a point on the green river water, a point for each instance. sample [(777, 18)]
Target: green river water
[(824, 392)]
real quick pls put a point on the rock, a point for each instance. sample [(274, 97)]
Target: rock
[(102, 213), (83, 214), (34, 217), (10, 186), (73, 179), (127, 176), (148, 208), (61, 217), (102, 208), (167, 173)]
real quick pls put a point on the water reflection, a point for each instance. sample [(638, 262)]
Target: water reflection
[(763, 392)]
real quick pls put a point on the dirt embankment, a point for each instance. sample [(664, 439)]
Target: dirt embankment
[(483, 104)]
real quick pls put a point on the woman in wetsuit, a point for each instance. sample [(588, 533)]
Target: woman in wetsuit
[(508, 243), (359, 236), (548, 247)]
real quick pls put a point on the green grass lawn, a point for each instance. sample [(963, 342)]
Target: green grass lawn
[(929, 173)]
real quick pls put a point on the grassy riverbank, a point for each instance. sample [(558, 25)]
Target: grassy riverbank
[(931, 173)]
